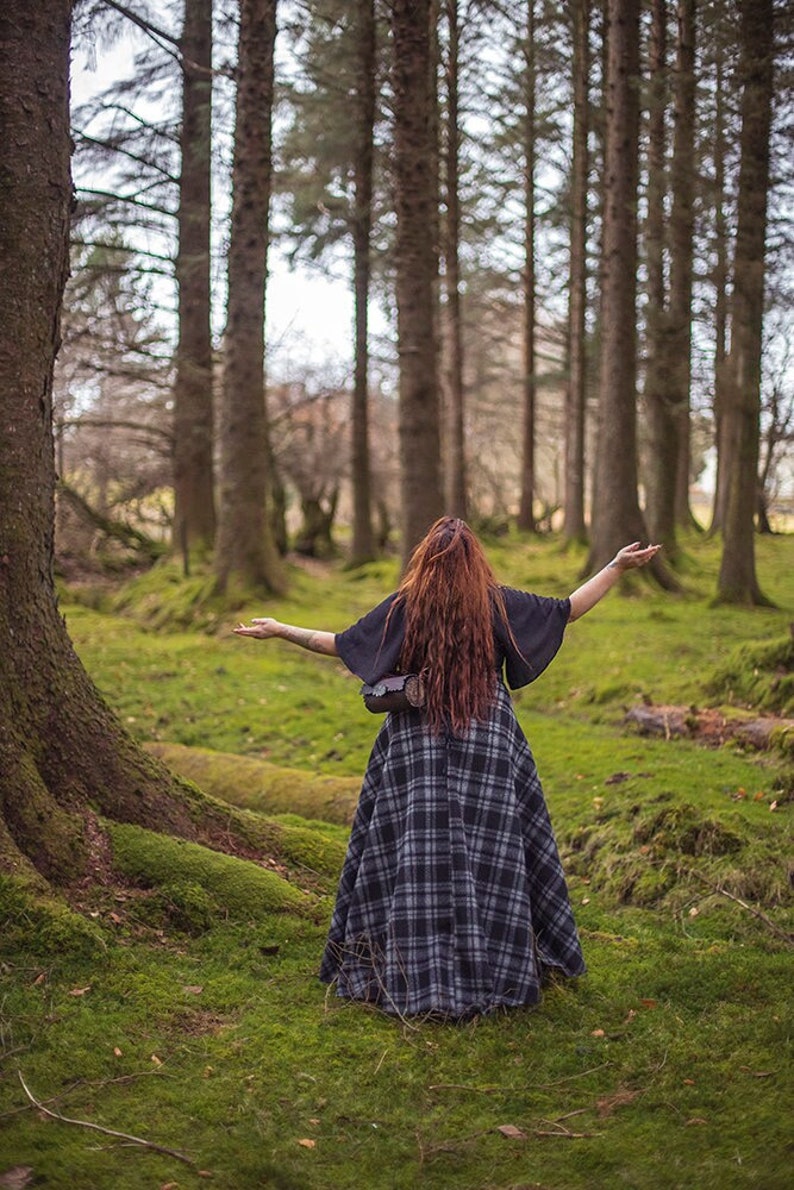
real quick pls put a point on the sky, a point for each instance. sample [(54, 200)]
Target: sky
[(309, 316)]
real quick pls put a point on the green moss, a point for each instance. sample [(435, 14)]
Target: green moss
[(240, 888), (257, 785), (183, 906), (43, 926), (675, 1042), (759, 676), (684, 829)]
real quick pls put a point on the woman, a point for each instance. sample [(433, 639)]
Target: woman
[(452, 899)]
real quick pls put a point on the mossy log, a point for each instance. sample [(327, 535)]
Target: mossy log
[(713, 726), (256, 785)]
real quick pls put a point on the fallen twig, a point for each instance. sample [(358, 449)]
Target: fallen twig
[(565, 1134), (717, 888), (148, 1144)]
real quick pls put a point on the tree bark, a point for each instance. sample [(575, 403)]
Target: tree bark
[(457, 503), (415, 252), (246, 553), (194, 500), (720, 284), (616, 511), (63, 754), (660, 470), (526, 514), (682, 223), (574, 527), (363, 545), (737, 579)]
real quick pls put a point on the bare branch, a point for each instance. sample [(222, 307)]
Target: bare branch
[(137, 1140)]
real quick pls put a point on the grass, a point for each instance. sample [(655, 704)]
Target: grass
[(199, 1025)]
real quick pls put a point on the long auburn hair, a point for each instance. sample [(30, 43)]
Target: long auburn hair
[(450, 594)]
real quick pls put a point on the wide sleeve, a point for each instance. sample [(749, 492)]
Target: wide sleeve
[(371, 647), (537, 623)]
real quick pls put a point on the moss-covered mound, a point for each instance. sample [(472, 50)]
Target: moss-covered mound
[(657, 853), (758, 676), (256, 785), (43, 926), (240, 888)]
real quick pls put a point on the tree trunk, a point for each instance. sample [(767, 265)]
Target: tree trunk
[(415, 251), (737, 579), (363, 546), (526, 514), (61, 749), (457, 504), (682, 222), (194, 501), (616, 512), (574, 528), (246, 553), (660, 470), (720, 281)]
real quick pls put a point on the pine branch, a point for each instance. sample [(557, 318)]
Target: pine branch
[(122, 198), (116, 148)]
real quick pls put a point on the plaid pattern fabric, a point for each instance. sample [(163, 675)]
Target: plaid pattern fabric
[(452, 899)]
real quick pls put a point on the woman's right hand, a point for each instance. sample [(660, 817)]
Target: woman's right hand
[(634, 555)]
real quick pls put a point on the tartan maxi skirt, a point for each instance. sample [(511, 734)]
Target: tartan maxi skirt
[(452, 898)]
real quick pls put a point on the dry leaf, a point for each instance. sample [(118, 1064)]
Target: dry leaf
[(80, 991), (170, 1186), (585, 900), (648, 1003), (696, 1120), (607, 1105), (39, 979), (758, 796), (193, 988), (114, 917), (598, 1033), (16, 1178), (314, 1121), (117, 1051), (773, 805), (307, 1143), (689, 1082), (694, 911), (512, 1132), (157, 1061)]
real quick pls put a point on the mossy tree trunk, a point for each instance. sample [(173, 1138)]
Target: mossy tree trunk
[(415, 176), (363, 544), (616, 511), (575, 528), (742, 398), (64, 757), (617, 517), (194, 513), (526, 515), (245, 552), (456, 478)]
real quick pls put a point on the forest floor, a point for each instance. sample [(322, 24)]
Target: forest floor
[(187, 1013)]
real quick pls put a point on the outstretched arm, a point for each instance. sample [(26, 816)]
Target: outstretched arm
[(307, 638), (629, 558)]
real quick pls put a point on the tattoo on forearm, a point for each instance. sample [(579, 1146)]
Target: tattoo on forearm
[(307, 638)]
